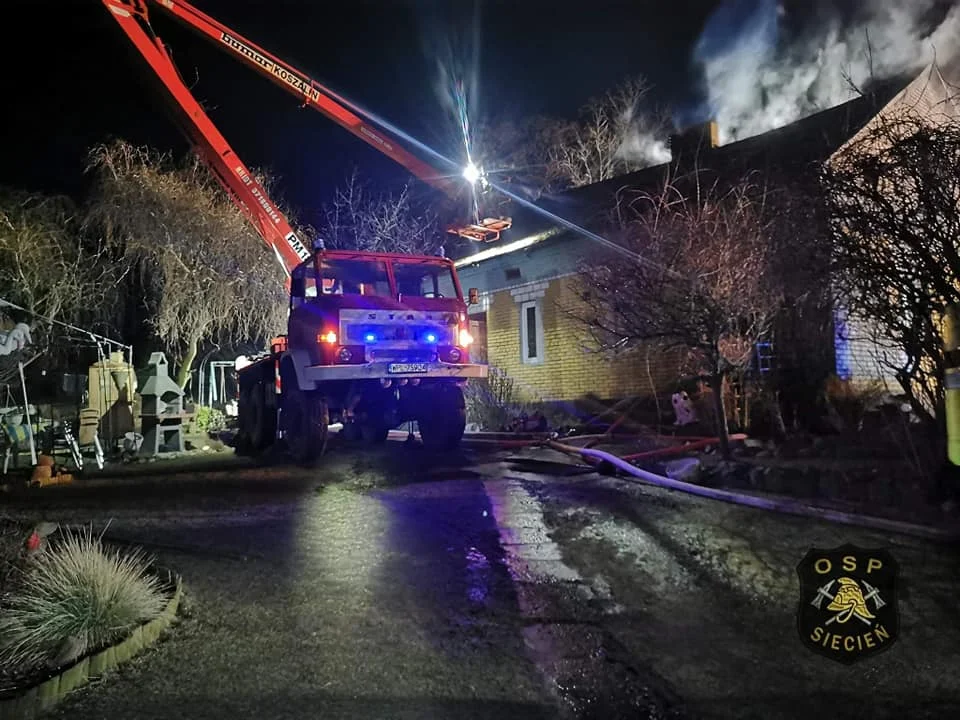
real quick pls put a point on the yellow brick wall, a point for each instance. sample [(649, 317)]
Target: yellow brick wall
[(569, 370)]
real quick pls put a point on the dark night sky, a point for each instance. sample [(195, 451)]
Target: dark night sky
[(74, 84)]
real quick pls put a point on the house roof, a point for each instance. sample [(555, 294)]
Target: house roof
[(934, 93), (792, 148)]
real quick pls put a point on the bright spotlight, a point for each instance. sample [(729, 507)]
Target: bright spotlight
[(471, 173)]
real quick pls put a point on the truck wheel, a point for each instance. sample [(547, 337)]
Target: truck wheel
[(305, 419), (443, 424)]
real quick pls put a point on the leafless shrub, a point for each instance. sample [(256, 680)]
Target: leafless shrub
[(851, 401), (703, 283), (491, 402), (892, 195)]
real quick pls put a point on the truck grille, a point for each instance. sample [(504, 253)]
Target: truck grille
[(402, 354), (384, 332)]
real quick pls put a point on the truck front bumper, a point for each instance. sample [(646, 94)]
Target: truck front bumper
[(393, 370)]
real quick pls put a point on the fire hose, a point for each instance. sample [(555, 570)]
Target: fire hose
[(696, 444), (788, 507)]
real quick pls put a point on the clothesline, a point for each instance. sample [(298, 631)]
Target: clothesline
[(87, 333)]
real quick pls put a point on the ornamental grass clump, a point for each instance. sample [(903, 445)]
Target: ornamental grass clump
[(76, 596)]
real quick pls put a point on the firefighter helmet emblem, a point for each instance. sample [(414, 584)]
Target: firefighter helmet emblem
[(848, 602)]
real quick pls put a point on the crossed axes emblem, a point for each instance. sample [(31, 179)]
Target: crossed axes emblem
[(849, 601)]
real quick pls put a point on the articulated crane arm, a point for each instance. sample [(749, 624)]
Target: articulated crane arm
[(208, 143), (317, 96)]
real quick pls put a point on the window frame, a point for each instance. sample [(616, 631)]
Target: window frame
[(538, 329), (331, 271), (441, 275)]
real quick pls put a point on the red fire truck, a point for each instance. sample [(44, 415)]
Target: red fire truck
[(373, 339)]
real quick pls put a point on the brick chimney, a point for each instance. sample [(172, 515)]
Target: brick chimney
[(696, 139)]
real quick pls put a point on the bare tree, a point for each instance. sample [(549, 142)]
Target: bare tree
[(48, 268), (515, 154), (615, 134), (208, 274), (893, 195), (618, 132), (704, 283), (358, 218)]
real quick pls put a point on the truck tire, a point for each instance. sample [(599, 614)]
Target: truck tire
[(445, 418), (305, 420)]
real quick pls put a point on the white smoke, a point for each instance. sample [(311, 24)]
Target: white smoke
[(753, 88), (642, 148), (642, 142), (638, 129)]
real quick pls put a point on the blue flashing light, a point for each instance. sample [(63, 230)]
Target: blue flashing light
[(370, 337), (430, 337)]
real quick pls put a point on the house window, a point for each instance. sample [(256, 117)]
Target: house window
[(531, 332), (765, 357)]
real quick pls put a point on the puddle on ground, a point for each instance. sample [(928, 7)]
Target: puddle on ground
[(478, 576), (548, 467)]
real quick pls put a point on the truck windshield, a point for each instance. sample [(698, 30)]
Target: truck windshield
[(354, 277), (428, 280)]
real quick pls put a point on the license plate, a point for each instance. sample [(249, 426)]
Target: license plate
[(407, 367)]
